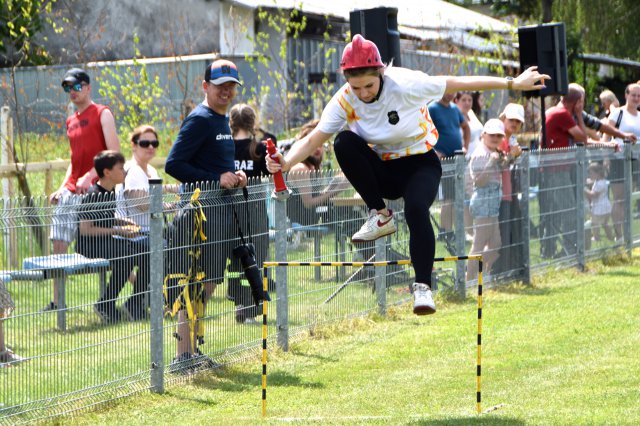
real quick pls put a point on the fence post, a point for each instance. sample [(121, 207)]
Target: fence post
[(381, 275), (156, 300), (6, 146), (525, 184), (48, 181), (282, 291), (458, 208), (628, 192), (580, 210)]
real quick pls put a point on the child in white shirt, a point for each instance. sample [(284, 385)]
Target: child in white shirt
[(598, 196)]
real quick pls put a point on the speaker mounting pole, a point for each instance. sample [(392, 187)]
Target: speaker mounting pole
[(543, 118), (379, 25)]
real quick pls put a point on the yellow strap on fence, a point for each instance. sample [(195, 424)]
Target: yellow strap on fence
[(193, 303)]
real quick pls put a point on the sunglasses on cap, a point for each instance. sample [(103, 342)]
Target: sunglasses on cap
[(75, 87), (146, 144)]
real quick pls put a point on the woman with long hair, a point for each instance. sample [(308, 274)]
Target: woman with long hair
[(250, 157), (466, 102)]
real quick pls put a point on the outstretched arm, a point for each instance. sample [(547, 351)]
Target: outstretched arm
[(530, 79), (299, 151)]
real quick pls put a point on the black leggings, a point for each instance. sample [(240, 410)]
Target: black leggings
[(414, 178)]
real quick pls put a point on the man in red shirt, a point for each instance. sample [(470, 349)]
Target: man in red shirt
[(564, 121), (91, 129), (565, 126)]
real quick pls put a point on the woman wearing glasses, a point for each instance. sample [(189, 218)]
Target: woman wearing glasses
[(133, 204), (135, 190)]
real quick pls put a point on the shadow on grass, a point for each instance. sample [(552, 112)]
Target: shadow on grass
[(485, 419), (92, 327), (620, 273), (315, 356), (192, 398), (522, 289), (238, 381), (450, 295)]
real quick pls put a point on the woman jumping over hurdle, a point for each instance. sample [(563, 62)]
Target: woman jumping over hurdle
[(387, 151)]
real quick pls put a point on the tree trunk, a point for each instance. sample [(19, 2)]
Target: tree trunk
[(30, 212)]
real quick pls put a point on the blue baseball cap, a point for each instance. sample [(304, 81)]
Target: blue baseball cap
[(222, 71)]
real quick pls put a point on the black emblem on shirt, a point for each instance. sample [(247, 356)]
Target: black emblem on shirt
[(393, 117)]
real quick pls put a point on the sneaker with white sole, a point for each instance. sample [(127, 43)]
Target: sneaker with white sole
[(378, 225), (423, 303)]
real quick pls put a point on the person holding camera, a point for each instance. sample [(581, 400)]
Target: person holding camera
[(387, 151), (204, 153)]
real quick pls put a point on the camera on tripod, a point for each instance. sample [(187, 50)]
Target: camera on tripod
[(246, 254)]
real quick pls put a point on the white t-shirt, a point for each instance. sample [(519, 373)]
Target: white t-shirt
[(600, 204), (136, 179), (480, 157), (476, 128), (403, 99), (629, 123)]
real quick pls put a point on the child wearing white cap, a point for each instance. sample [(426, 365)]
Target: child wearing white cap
[(485, 165)]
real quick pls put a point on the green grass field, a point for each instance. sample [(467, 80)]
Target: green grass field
[(561, 352), (116, 357)]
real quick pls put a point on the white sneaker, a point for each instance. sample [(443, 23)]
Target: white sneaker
[(423, 303), (378, 225), (251, 321)]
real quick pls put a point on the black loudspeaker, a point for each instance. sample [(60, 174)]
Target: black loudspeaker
[(545, 46), (380, 25)]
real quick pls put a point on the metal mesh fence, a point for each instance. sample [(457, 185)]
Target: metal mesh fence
[(89, 326)]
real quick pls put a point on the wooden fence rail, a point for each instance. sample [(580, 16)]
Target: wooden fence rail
[(49, 168)]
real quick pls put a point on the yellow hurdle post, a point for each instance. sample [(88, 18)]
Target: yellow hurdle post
[(479, 349), (265, 287)]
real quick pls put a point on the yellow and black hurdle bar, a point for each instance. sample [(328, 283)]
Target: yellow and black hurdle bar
[(267, 265)]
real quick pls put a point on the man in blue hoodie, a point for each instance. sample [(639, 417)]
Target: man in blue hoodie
[(202, 154)]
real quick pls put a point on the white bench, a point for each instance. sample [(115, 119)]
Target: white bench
[(58, 267), (22, 275)]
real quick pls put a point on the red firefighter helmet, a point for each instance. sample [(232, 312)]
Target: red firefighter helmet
[(360, 53)]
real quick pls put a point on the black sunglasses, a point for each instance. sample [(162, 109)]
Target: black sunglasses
[(75, 87), (145, 144)]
